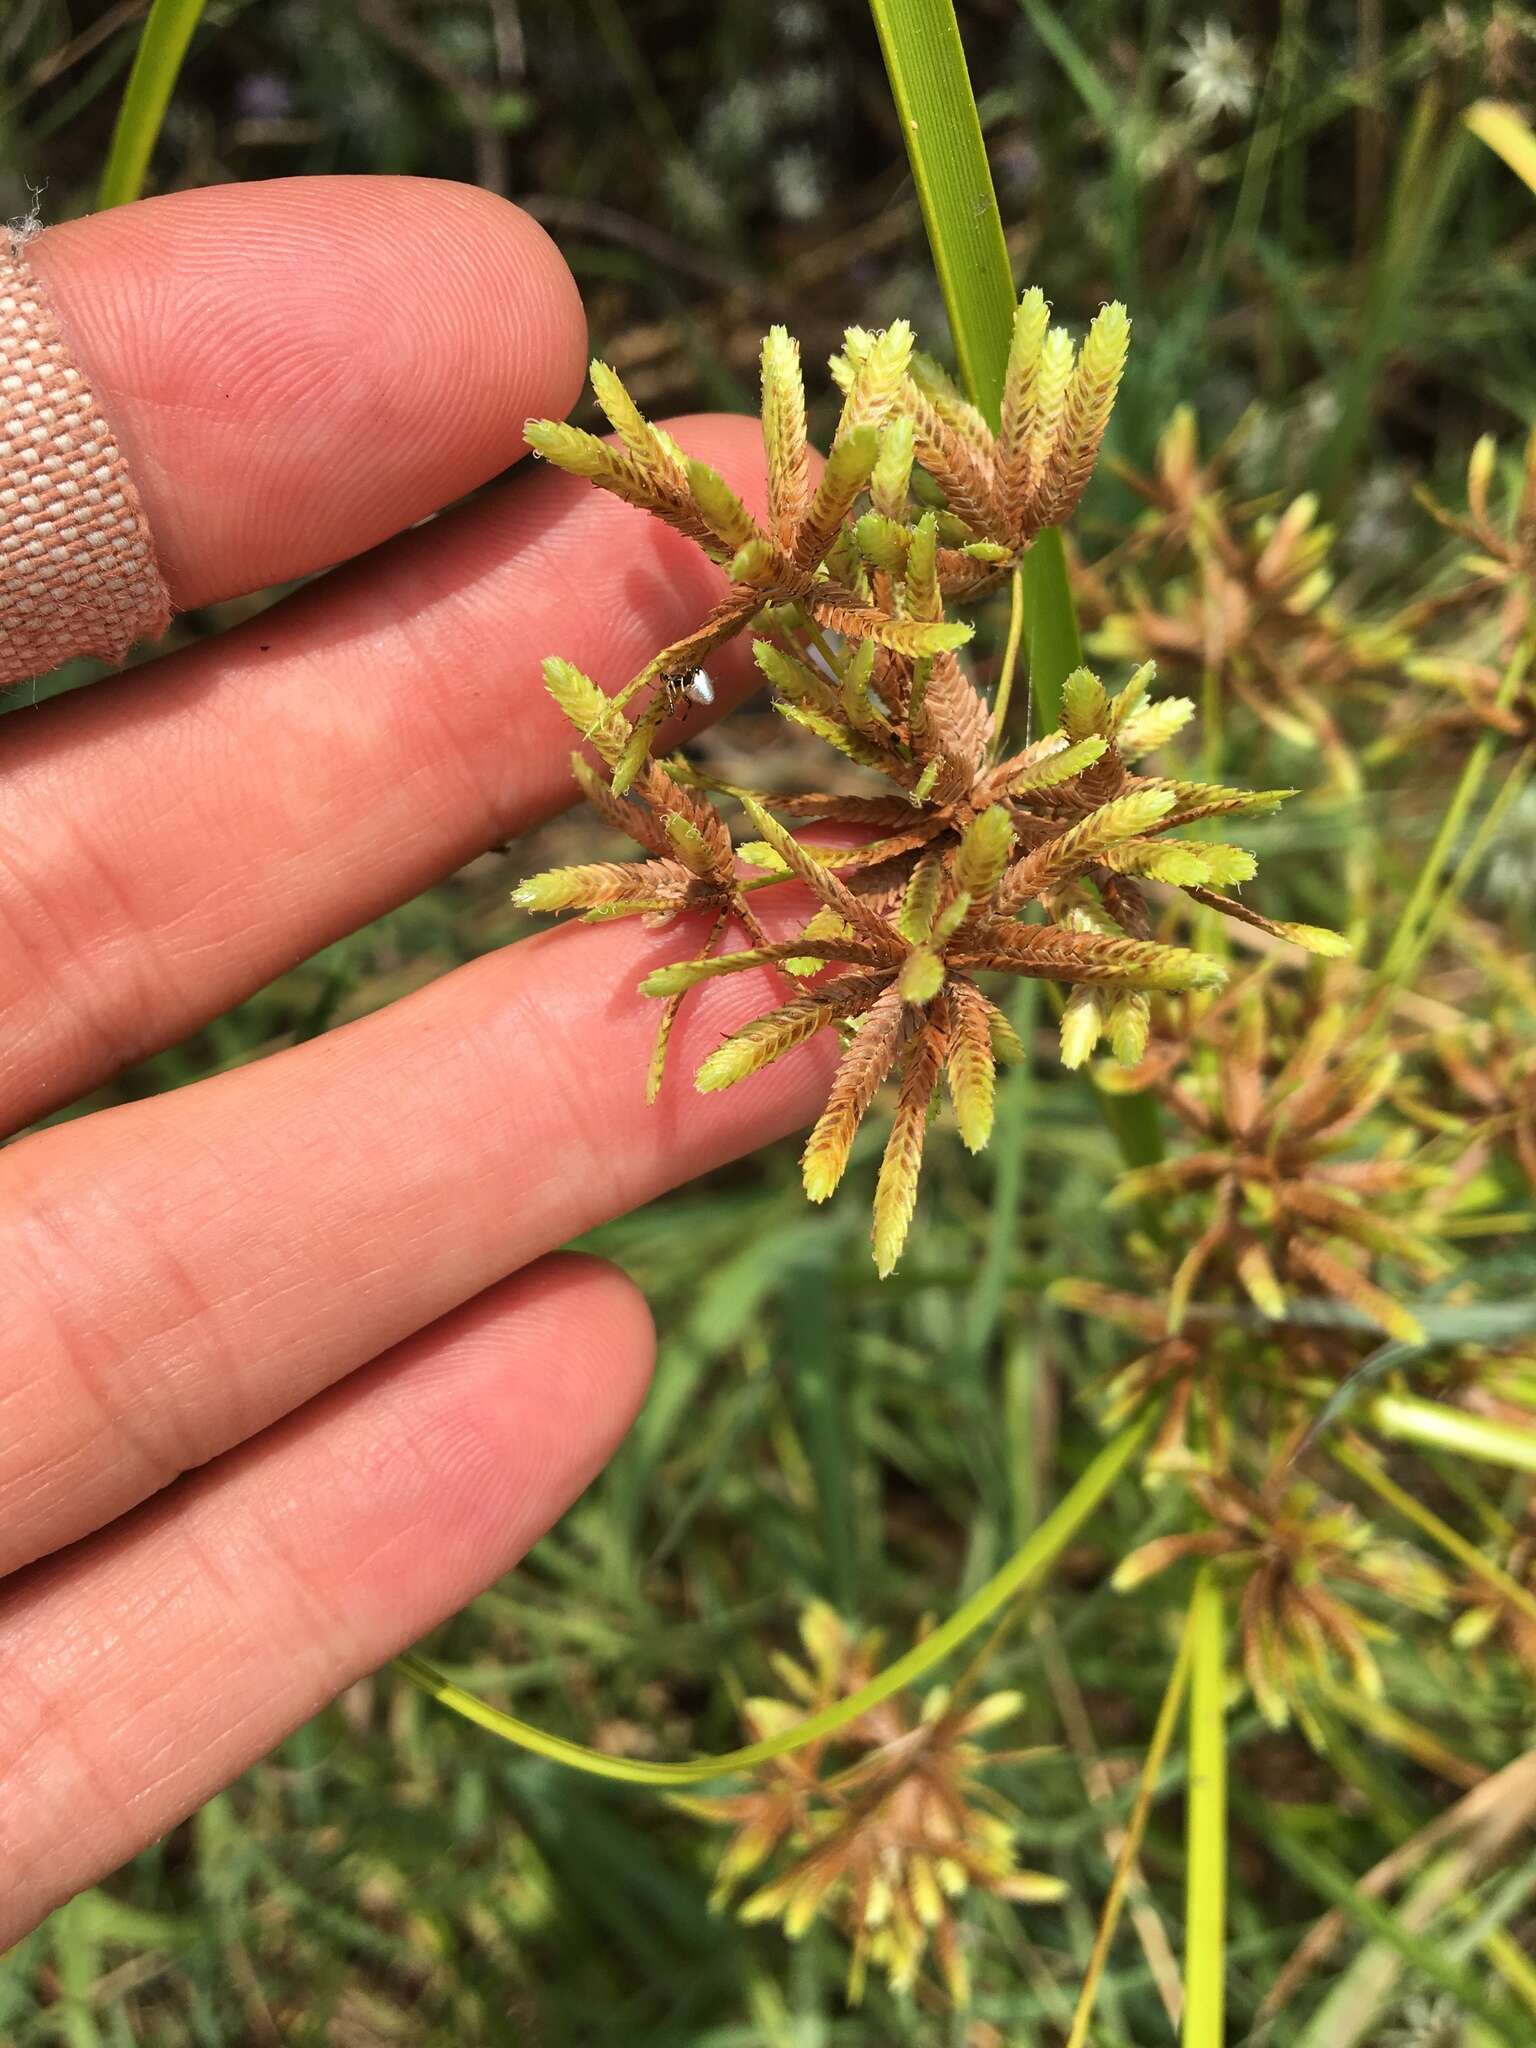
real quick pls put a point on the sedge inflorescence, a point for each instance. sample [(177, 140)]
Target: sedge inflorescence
[(957, 860), (883, 1828)]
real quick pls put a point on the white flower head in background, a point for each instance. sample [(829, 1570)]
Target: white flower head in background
[(1215, 74)]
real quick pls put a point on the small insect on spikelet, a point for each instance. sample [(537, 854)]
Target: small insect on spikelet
[(964, 861), (881, 1828), (1299, 1559)]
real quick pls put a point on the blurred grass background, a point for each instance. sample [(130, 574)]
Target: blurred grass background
[(1286, 200)]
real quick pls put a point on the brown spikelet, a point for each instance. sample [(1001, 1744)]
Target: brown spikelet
[(959, 726), (865, 1064), (896, 1189), (960, 469)]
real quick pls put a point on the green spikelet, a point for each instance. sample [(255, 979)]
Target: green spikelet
[(1051, 382), (1085, 412), (1008, 1049), (720, 508), (1154, 725), (896, 1189), (592, 713), (1082, 1025), (985, 849), (971, 1064), (864, 751), (848, 470), (920, 592), (657, 451), (681, 975), (1059, 767), (858, 705), (891, 478), (825, 927), (1084, 705), (784, 434), (1130, 698), (1130, 1022), (915, 918), (637, 748), (1315, 938), (877, 381), (921, 977), (690, 845), (1020, 389), (793, 679), (753, 563), (580, 888), (883, 543), (761, 1042)]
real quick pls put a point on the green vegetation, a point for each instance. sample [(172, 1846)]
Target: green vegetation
[(1282, 1268)]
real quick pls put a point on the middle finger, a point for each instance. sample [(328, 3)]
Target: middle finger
[(172, 840), (182, 1271)]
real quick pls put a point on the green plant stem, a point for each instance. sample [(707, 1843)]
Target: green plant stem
[(1454, 1544), (1411, 936), (1415, 1421), (1475, 854), (1205, 1918), (1055, 645), (1028, 1564), (162, 46), (1016, 611), (1135, 1828)]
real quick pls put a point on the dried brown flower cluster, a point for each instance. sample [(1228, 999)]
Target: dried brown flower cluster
[(1238, 597), (1300, 1560), (959, 862), (1290, 1203), (1243, 598), (1491, 599), (883, 1827)]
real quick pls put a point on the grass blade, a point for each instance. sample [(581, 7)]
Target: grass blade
[(1205, 1923), (162, 47), (924, 57)]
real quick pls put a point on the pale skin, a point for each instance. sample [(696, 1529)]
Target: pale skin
[(290, 1366)]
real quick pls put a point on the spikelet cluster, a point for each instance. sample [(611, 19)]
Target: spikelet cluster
[(960, 860), (1287, 1201), (1302, 1561), (882, 1828)]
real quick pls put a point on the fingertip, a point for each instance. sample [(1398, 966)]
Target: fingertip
[(299, 368)]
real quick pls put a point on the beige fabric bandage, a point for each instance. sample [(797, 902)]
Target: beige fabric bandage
[(78, 573)]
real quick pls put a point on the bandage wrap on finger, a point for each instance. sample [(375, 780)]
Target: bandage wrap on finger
[(78, 573)]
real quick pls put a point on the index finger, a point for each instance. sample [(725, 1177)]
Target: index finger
[(296, 370)]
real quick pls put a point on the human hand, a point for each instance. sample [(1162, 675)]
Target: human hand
[(288, 1370)]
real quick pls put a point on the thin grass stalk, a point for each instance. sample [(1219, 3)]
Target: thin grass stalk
[(162, 47), (1427, 1955), (1439, 1532), (1028, 1565), (1406, 948), (1017, 611), (1474, 856), (1410, 1419), (1205, 1917), (1135, 1829)]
